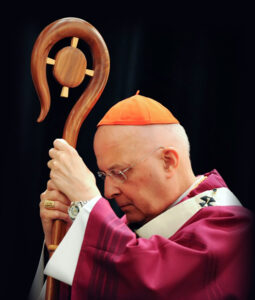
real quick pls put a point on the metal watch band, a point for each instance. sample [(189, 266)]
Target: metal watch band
[(75, 208)]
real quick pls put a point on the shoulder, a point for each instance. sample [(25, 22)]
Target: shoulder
[(218, 226)]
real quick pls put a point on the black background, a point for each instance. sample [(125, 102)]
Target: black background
[(194, 60)]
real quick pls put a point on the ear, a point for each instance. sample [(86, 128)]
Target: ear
[(171, 160)]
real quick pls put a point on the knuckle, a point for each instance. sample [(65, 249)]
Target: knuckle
[(51, 151), (57, 214), (55, 142), (72, 150), (54, 164), (52, 175), (43, 214), (57, 196), (42, 196), (49, 184), (49, 164), (54, 195), (61, 156)]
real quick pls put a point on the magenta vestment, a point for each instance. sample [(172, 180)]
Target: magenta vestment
[(209, 257)]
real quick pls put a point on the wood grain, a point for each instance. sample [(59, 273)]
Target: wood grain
[(70, 67), (54, 32)]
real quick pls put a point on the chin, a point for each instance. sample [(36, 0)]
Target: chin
[(135, 218), (133, 215)]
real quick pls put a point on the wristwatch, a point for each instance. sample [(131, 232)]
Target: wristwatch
[(75, 208)]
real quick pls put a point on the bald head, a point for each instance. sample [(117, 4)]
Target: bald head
[(142, 138)]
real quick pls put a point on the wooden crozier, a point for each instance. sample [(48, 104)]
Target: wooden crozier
[(69, 69)]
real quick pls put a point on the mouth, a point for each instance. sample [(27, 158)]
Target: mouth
[(125, 206)]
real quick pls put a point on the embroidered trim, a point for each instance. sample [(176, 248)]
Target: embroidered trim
[(207, 200), (169, 222)]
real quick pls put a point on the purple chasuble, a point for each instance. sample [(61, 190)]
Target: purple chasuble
[(209, 257)]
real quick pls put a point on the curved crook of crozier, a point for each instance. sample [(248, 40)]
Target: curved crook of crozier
[(60, 29)]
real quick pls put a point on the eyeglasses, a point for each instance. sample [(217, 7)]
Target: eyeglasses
[(119, 175)]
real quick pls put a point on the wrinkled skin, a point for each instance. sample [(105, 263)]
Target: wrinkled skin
[(152, 185), (70, 180)]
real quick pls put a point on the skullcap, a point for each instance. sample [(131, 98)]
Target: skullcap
[(138, 110)]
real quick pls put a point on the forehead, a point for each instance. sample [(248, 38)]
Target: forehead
[(116, 144)]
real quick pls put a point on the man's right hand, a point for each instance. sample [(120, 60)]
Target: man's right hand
[(59, 211)]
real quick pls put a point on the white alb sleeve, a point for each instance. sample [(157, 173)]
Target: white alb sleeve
[(63, 262)]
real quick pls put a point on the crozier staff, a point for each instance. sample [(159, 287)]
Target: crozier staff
[(182, 236)]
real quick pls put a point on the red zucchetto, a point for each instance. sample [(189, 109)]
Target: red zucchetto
[(138, 110)]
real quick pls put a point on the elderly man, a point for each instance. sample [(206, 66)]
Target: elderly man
[(182, 236)]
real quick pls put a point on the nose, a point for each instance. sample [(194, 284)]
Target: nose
[(111, 189)]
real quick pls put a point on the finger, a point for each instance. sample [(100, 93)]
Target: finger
[(50, 164), (58, 206), (55, 195), (47, 218), (51, 185), (53, 153), (53, 165), (61, 144), (59, 211), (52, 215)]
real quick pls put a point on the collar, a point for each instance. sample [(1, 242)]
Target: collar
[(193, 186), (171, 220)]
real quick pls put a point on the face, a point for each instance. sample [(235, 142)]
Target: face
[(143, 195)]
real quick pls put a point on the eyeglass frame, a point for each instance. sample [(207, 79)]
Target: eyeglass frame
[(102, 175)]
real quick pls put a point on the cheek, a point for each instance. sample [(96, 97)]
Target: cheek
[(148, 186), (149, 195), (143, 195)]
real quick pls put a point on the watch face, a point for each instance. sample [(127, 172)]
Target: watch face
[(73, 211)]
